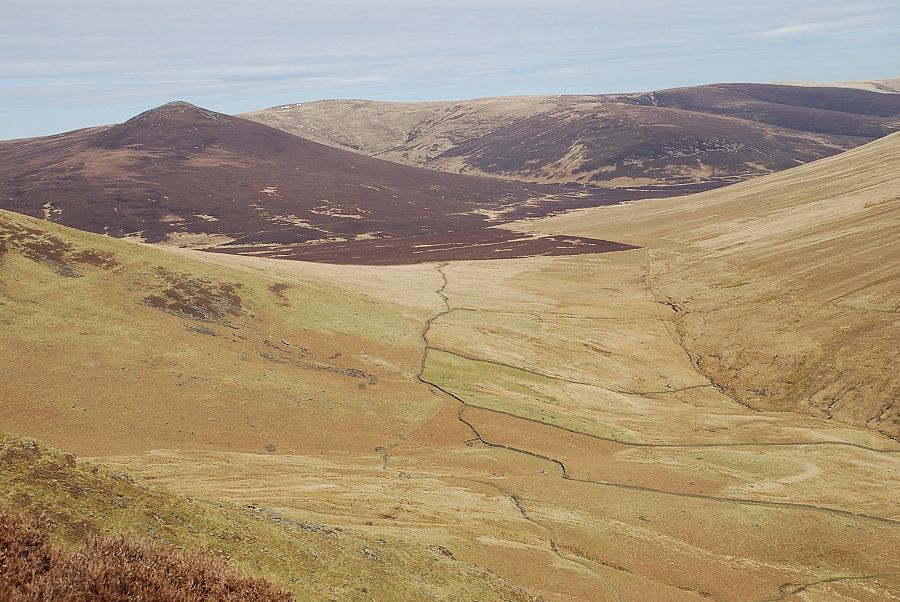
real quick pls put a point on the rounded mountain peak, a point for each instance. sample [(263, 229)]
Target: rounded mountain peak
[(178, 109)]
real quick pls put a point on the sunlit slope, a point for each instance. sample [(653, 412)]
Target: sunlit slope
[(787, 288), (889, 85), (111, 345)]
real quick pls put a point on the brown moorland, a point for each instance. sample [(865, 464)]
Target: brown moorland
[(186, 176), (32, 569)]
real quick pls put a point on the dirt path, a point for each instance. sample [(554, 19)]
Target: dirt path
[(791, 588)]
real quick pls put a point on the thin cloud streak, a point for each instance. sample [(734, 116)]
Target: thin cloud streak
[(815, 27)]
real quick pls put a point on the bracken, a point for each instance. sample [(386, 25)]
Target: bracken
[(108, 570)]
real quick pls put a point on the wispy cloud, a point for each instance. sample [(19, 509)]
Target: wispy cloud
[(812, 28)]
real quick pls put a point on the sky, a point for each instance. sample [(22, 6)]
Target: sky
[(66, 64)]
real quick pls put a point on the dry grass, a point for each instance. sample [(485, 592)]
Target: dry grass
[(78, 502), (85, 359)]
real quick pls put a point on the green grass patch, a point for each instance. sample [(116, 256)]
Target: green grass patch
[(512, 391), (751, 464)]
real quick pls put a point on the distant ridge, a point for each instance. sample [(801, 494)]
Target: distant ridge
[(714, 134), (890, 85)]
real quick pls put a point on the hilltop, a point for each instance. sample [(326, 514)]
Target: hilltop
[(889, 85), (186, 176)]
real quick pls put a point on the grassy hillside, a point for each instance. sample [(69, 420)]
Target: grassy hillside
[(785, 287), (113, 345)]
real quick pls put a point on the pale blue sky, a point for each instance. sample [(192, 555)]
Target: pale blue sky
[(66, 64)]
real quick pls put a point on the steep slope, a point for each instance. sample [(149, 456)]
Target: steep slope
[(714, 134), (170, 341), (191, 177), (787, 287)]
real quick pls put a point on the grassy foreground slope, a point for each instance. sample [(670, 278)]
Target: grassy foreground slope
[(78, 501), (785, 288), (115, 347)]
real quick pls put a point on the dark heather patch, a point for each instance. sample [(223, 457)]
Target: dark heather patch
[(196, 298), (486, 243), (278, 290), (52, 250), (95, 257)]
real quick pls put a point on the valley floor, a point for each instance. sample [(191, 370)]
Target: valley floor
[(577, 452)]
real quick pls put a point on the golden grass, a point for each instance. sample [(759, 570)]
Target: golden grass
[(199, 354)]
